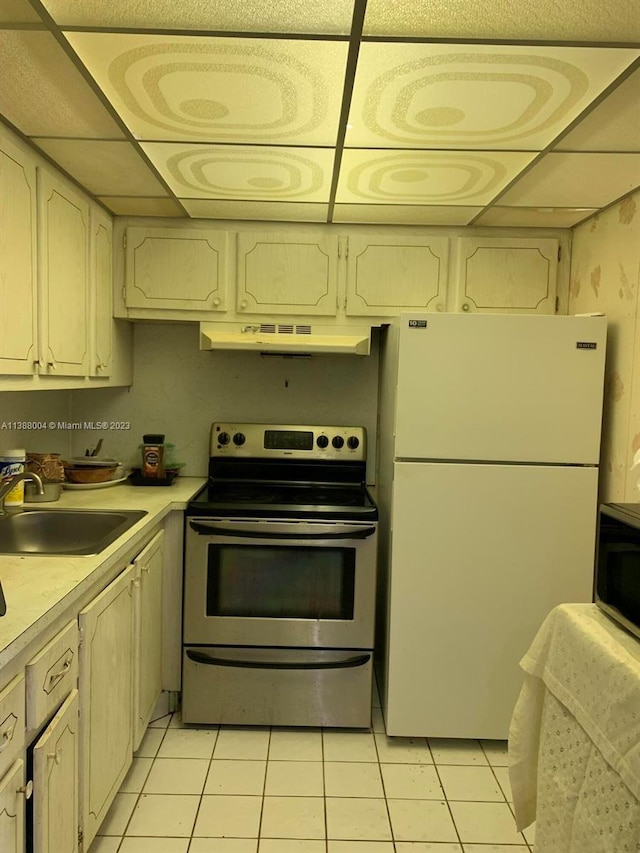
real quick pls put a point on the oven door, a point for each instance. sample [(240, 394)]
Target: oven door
[(279, 583)]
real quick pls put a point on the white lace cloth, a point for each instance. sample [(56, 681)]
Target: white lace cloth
[(574, 740)]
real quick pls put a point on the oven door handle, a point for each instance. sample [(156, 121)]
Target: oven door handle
[(210, 660), (209, 529)]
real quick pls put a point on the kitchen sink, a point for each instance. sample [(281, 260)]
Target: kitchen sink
[(63, 531)]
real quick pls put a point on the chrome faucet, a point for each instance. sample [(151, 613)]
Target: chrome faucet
[(6, 487)]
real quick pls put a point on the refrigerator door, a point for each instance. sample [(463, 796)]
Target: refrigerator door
[(479, 556), (489, 387)]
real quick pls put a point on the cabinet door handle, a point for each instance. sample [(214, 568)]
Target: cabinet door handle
[(55, 756), (145, 569), (465, 306), (51, 365), (217, 301), (7, 735), (27, 790), (243, 303)]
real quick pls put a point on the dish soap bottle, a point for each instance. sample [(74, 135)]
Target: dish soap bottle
[(152, 455)]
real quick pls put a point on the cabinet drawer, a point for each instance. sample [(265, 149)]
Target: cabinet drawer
[(11, 722), (51, 675)]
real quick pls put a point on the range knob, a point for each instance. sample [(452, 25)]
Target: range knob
[(322, 441), (353, 442), (239, 439), (337, 441), (223, 438)]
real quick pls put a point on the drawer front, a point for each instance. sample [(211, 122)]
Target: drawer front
[(12, 704), (51, 675)]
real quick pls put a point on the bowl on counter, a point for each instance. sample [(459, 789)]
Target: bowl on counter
[(87, 473), (52, 492)]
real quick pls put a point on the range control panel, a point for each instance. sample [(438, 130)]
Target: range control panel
[(286, 441)]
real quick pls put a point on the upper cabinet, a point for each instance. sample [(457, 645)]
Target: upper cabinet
[(387, 274), (179, 269), (18, 278), (287, 273), (506, 274), (63, 269), (101, 296)]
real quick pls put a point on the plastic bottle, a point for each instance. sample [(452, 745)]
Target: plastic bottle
[(11, 463), (153, 455)]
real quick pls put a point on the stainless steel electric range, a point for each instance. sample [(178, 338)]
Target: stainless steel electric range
[(279, 586)]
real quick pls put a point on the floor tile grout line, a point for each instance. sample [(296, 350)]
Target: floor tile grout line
[(446, 799)]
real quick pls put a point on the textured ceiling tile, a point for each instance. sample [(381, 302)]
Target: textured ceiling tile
[(277, 16), (43, 94), (546, 20), (466, 178), (104, 168), (258, 210), (575, 180), (534, 217), (17, 12), (125, 206), (239, 172), (219, 89), (396, 214), (614, 125), (475, 96)]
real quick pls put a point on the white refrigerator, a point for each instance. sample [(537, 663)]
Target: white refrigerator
[(489, 440)]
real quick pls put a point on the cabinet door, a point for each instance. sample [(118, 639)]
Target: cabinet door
[(284, 274), (176, 269), (147, 678), (506, 274), (63, 274), (55, 783), (12, 810), (18, 282), (106, 666), (101, 306), (388, 274)]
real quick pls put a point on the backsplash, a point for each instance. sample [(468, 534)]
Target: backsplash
[(179, 391)]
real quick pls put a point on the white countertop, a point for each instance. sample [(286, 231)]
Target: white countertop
[(39, 589)]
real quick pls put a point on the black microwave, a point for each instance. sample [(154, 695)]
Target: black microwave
[(617, 575)]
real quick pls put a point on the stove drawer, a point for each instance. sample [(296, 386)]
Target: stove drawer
[(276, 687)]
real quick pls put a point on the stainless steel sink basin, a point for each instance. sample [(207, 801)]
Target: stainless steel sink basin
[(63, 531)]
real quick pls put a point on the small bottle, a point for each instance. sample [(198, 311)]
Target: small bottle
[(11, 463), (152, 455)]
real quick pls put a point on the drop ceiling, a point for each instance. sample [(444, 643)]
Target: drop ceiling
[(451, 112)]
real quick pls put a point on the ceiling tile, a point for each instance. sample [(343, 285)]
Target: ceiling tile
[(535, 217), (546, 20), (614, 125), (269, 210), (241, 172), (427, 177), (17, 12), (398, 214), (130, 206), (43, 94), (278, 16), (474, 96), (104, 168), (219, 89), (575, 180)]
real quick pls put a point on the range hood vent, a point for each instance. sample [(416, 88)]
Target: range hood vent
[(286, 338)]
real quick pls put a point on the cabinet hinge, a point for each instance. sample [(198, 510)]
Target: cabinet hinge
[(559, 252), (124, 240), (80, 840), (80, 636), (124, 293), (557, 304), (343, 247)]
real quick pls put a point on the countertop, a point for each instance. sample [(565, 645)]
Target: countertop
[(38, 589)]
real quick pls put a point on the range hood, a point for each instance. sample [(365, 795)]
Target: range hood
[(286, 338)]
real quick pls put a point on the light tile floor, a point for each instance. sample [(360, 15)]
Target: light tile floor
[(258, 790)]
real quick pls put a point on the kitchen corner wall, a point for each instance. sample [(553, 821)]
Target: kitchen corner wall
[(179, 390), (605, 276)]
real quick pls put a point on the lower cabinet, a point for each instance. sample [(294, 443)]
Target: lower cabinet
[(147, 676), (106, 678), (12, 808), (55, 783)]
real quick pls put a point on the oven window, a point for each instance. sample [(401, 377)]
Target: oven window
[(278, 582), (618, 575)]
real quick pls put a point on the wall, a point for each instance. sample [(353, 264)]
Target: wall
[(23, 408), (179, 391), (605, 276)]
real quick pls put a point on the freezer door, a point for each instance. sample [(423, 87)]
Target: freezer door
[(513, 388), (480, 555)]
